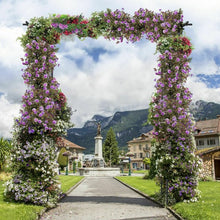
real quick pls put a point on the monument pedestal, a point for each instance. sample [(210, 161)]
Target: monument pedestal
[(98, 160)]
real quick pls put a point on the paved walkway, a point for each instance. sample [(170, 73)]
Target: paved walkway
[(104, 198)]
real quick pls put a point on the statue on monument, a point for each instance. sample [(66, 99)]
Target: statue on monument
[(98, 129)]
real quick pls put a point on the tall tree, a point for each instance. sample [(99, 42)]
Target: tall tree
[(110, 148)]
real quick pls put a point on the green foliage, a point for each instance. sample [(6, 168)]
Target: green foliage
[(146, 161), (40, 28), (5, 150), (62, 160), (110, 148), (79, 165)]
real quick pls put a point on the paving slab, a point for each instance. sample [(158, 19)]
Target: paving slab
[(104, 198)]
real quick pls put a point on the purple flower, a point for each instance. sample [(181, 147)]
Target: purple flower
[(45, 49), (108, 21)]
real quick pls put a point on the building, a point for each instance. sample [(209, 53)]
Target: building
[(75, 150), (211, 162), (207, 133), (140, 147), (207, 138)]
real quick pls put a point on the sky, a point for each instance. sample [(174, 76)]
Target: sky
[(100, 76)]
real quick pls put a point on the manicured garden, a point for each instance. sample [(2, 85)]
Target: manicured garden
[(17, 211), (206, 208)]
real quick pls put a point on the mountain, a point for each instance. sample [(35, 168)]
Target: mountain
[(127, 125), (130, 124)]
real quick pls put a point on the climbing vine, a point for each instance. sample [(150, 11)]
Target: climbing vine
[(45, 115)]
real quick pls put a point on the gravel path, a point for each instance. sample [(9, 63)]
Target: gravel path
[(104, 198)]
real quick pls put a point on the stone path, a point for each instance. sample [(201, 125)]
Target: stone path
[(104, 198)]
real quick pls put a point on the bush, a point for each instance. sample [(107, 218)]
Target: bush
[(62, 160)]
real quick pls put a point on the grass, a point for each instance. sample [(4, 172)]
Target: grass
[(206, 208), (21, 211), (148, 187), (137, 171), (68, 181)]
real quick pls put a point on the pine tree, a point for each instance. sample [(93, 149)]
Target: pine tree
[(110, 148), (62, 160)]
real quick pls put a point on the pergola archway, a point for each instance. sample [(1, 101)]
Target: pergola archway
[(45, 114)]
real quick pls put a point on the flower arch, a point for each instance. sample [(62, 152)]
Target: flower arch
[(45, 114)]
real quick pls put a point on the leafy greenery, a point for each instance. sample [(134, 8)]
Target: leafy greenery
[(18, 211), (206, 208), (5, 150), (62, 160), (110, 148)]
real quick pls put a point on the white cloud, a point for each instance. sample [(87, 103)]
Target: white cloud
[(7, 113)]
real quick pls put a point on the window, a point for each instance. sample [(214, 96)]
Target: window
[(200, 142), (147, 147), (135, 155), (140, 147), (148, 154), (141, 155), (211, 142)]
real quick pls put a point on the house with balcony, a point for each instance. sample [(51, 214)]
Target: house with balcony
[(140, 147), (207, 138)]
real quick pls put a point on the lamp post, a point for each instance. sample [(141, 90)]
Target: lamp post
[(129, 154), (122, 163), (74, 163), (67, 154)]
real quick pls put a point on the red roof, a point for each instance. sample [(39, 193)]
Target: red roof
[(65, 143)]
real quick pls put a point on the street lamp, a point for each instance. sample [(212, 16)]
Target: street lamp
[(122, 158), (129, 154), (74, 164), (67, 154)]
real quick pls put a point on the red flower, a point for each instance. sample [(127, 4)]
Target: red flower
[(75, 21), (84, 22), (186, 41), (62, 99), (67, 32)]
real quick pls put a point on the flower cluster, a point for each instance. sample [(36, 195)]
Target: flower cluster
[(67, 25), (173, 125), (176, 43), (117, 25), (44, 117), (36, 168), (40, 28)]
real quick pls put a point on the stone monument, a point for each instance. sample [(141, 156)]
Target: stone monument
[(98, 164), (98, 160)]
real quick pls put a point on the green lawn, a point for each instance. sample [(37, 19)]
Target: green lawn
[(146, 186), (137, 171), (208, 207), (20, 211), (68, 181)]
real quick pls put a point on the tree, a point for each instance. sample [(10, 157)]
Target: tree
[(110, 148), (62, 160), (5, 148)]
